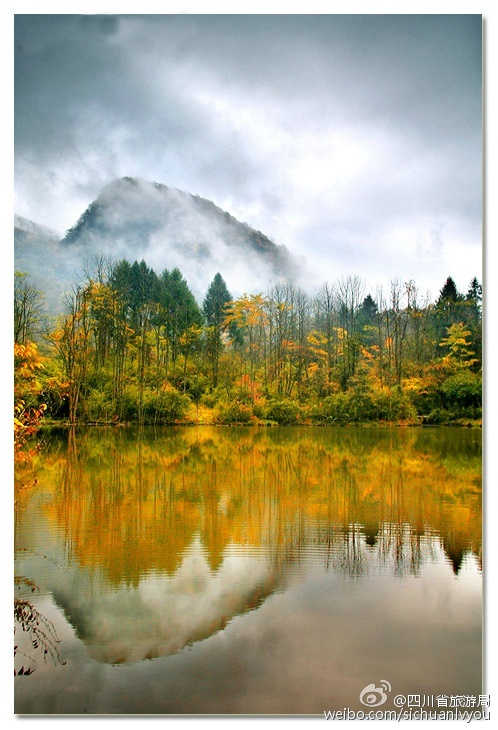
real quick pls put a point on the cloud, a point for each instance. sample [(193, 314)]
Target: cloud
[(325, 132), (164, 614)]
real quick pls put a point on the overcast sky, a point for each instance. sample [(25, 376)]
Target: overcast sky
[(353, 140)]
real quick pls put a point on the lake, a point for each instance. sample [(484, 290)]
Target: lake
[(205, 570)]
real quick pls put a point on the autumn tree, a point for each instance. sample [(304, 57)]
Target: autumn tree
[(249, 316), (28, 411), (457, 345), (280, 336), (71, 340), (28, 306), (349, 294), (326, 330), (397, 319), (473, 315), (419, 336), (131, 341)]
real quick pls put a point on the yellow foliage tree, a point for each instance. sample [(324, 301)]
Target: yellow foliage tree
[(27, 412), (458, 345)]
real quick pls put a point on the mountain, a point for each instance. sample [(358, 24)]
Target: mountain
[(37, 253), (135, 219)]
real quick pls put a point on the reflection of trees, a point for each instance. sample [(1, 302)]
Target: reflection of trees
[(41, 634), (34, 634), (457, 548), (131, 502)]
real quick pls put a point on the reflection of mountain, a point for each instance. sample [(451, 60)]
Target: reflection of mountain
[(148, 521), (163, 614)]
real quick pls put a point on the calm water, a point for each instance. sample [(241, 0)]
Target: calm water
[(272, 571)]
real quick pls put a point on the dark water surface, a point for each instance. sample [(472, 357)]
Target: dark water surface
[(272, 571)]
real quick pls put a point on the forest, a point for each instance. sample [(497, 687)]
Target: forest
[(136, 347)]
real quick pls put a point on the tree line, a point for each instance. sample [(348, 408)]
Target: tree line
[(135, 346)]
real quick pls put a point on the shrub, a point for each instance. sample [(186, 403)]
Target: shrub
[(363, 406), (393, 405), (284, 412), (194, 385), (426, 400), (127, 403), (354, 406), (437, 416), (209, 399), (333, 409), (235, 412), (463, 392), (55, 396), (166, 406), (97, 406), (360, 406)]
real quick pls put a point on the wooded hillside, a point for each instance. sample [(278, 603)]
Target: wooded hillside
[(135, 346)]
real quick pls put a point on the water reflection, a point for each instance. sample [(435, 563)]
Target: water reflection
[(164, 614), (153, 540)]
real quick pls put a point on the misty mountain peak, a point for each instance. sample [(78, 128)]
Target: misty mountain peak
[(27, 226), (136, 219)]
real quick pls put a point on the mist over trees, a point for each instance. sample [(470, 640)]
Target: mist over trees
[(136, 346)]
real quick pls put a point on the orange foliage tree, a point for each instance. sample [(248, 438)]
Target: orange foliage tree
[(27, 387)]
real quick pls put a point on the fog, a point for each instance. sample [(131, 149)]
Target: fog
[(135, 219), (353, 140)]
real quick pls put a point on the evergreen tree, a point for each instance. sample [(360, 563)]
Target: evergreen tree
[(179, 309), (449, 292), (144, 289), (129, 340), (120, 279), (448, 309), (474, 295), (473, 318), (369, 310), (215, 301), (216, 298), (368, 316)]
